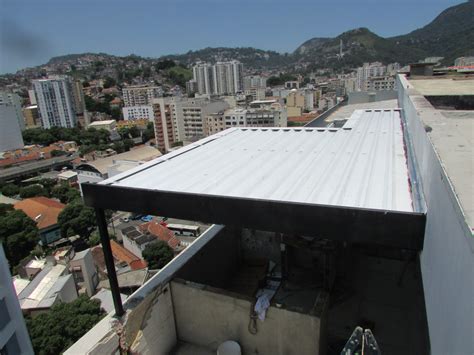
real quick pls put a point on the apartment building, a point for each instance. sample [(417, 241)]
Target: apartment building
[(222, 78), (376, 69), (164, 123), (295, 103), (56, 104), (379, 83), (140, 95), (203, 75), (254, 81), (256, 93), (215, 123), (31, 116), (10, 127), (13, 100), (194, 113), (182, 119), (132, 113)]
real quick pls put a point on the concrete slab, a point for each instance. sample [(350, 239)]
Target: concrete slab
[(434, 86), (452, 134), (346, 111), (371, 294)]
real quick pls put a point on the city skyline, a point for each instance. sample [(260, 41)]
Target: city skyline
[(153, 30)]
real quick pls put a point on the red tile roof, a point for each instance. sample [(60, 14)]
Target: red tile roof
[(123, 255), (161, 232), (44, 211)]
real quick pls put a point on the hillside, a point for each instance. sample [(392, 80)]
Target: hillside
[(250, 57), (450, 34), (358, 46)]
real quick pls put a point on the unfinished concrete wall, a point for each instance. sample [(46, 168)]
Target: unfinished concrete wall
[(208, 318), (216, 261), (447, 259), (151, 327)]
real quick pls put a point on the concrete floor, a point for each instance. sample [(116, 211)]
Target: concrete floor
[(370, 296), (184, 348)]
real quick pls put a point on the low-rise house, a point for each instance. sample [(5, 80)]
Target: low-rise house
[(69, 177), (160, 232), (52, 285), (99, 169), (44, 211), (84, 271)]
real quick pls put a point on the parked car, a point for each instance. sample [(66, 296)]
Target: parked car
[(146, 218)]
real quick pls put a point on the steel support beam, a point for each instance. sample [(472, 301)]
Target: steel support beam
[(109, 261), (386, 228)]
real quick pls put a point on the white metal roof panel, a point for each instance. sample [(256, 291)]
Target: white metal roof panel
[(361, 165)]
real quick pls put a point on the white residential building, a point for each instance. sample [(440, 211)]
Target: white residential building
[(132, 113), (140, 95), (10, 130), (223, 78), (14, 338), (369, 70), (256, 93), (254, 81), (55, 102), (204, 77), (13, 100)]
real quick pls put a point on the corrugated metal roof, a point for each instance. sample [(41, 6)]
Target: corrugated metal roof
[(361, 165)]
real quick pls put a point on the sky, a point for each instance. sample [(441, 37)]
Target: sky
[(33, 31)]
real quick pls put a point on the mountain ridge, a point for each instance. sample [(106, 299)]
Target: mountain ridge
[(450, 35)]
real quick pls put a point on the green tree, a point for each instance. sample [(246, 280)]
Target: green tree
[(78, 219), (4, 208), (164, 64), (109, 82), (33, 191), (157, 254), (134, 132), (65, 193), (280, 80), (94, 239), (58, 153), (149, 132), (54, 331), (10, 190), (18, 234), (116, 113)]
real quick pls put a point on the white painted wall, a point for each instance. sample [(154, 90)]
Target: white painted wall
[(15, 325), (447, 259)]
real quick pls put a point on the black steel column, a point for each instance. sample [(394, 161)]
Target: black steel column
[(109, 261)]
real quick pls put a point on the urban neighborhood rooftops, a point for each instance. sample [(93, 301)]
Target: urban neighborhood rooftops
[(44, 211), (123, 255), (42, 291), (142, 153)]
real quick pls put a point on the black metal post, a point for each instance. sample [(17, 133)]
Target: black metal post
[(109, 261)]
